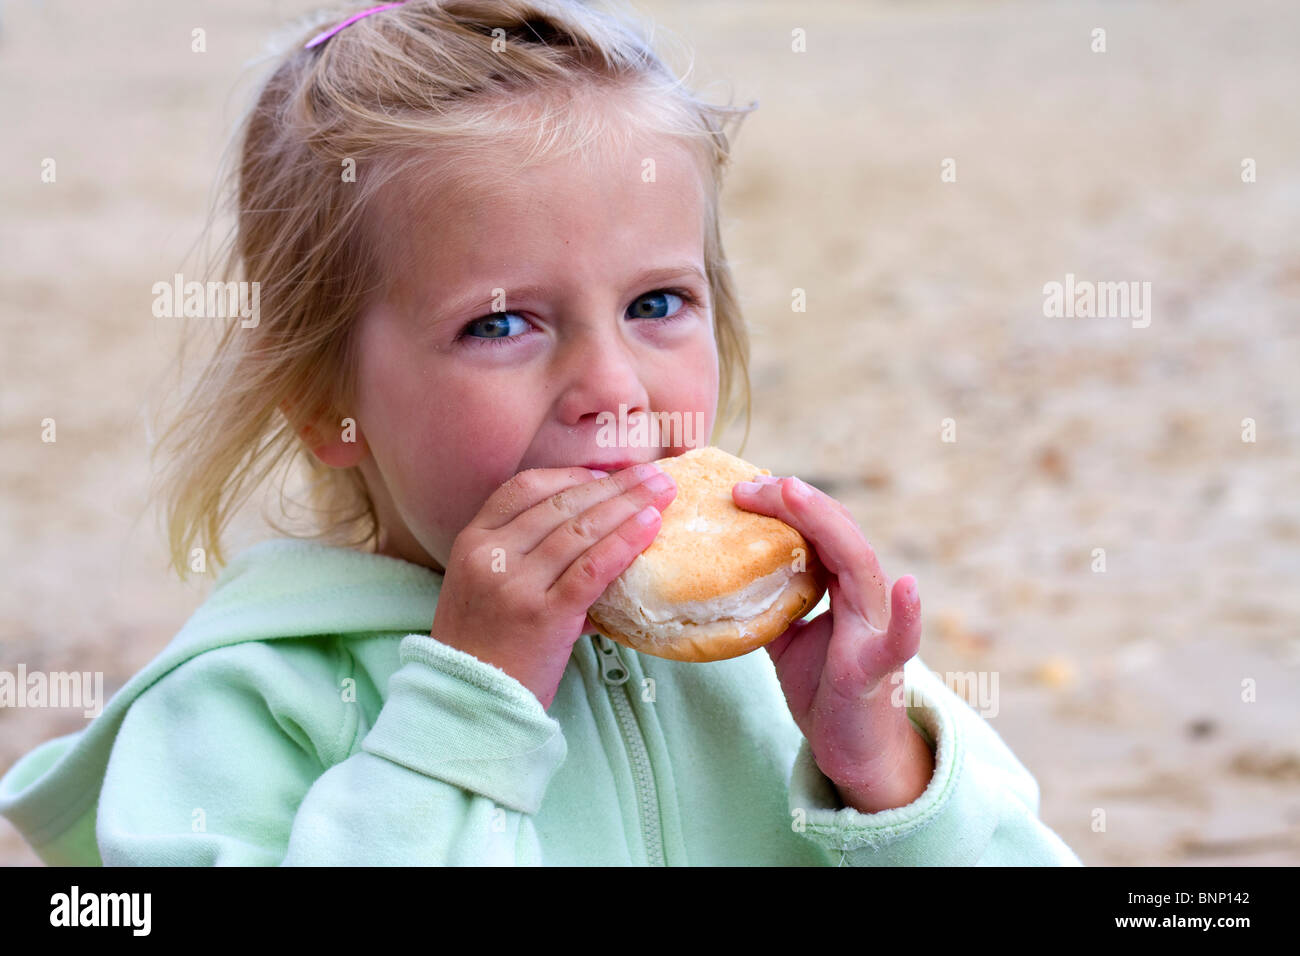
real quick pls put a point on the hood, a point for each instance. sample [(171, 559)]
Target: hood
[(279, 588)]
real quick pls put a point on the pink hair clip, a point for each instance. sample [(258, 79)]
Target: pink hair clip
[(322, 37)]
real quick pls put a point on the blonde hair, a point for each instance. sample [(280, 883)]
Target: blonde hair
[(430, 86)]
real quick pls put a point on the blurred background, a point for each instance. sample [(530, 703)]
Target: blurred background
[(1121, 690)]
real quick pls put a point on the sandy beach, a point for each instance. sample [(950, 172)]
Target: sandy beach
[(1097, 539)]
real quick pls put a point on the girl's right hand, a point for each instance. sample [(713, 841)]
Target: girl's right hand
[(543, 548)]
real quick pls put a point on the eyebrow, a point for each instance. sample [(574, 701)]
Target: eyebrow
[(452, 310)]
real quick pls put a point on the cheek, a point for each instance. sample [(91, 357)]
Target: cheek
[(422, 441), (690, 384), (453, 444), (477, 439), (705, 379)]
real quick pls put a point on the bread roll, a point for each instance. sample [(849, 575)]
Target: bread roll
[(717, 581)]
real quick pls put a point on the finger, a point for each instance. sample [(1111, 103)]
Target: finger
[(833, 533), (904, 636), (525, 490), (516, 502), (587, 576), (902, 639), (775, 479), (568, 537)]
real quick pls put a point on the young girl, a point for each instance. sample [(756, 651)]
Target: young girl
[(480, 228)]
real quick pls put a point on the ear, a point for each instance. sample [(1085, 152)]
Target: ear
[(336, 444)]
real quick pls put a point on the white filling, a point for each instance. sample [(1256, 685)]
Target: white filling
[(641, 617)]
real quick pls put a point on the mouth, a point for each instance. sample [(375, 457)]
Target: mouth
[(612, 467)]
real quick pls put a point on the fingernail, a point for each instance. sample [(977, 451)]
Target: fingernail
[(748, 487), (799, 489), (660, 482), (598, 473)]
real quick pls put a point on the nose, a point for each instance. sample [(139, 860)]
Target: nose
[(599, 373)]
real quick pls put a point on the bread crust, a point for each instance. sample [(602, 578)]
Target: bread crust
[(708, 550)]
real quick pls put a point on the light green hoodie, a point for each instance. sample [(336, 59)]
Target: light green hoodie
[(303, 715)]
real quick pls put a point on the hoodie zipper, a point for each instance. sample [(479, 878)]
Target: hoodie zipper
[(614, 673)]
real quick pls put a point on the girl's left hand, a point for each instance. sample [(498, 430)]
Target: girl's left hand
[(838, 670)]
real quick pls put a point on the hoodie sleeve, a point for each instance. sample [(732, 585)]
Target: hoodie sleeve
[(980, 808), (249, 755)]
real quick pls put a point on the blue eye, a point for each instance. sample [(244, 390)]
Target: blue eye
[(658, 297), (497, 320), (642, 308)]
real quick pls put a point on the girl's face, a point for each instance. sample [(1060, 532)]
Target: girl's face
[(534, 306)]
